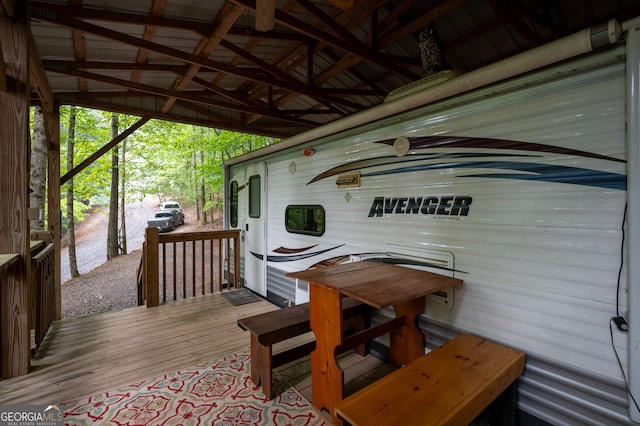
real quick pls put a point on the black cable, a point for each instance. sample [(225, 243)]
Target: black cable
[(624, 376), (624, 219), (619, 321)]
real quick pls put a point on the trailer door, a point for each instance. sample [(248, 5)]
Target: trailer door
[(254, 228)]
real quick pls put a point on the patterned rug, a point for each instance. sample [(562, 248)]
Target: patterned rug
[(219, 393)]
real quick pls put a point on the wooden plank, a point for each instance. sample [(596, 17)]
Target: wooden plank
[(151, 268), (6, 260), (265, 14), (14, 187), (97, 353), (359, 371), (39, 80), (451, 386), (52, 129), (369, 282), (7, 7), (3, 71), (93, 354), (326, 318)]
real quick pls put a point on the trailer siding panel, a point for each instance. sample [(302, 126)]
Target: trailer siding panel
[(539, 250)]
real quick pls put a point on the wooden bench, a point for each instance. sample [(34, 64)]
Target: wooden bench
[(450, 385), (277, 326)]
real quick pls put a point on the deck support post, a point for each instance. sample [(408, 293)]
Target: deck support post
[(151, 275), (15, 350)]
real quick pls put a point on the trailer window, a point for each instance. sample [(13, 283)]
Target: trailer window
[(254, 196), (308, 220), (233, 204)]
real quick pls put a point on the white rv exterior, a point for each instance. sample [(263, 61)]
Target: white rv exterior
[(518, 187)]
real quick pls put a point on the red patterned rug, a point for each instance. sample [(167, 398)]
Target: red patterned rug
[(217, 393)]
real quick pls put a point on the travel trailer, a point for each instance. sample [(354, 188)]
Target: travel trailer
[(520, 178)]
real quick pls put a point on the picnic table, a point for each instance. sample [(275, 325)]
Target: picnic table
[(379, 285)]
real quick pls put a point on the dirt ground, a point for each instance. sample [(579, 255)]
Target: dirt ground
[(111, 285)]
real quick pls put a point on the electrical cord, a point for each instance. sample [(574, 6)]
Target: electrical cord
[(619, 320), (624, 219), (624, 376)]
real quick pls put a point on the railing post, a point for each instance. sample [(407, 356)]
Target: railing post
[(152, 281), (236, 260), (14, 187)]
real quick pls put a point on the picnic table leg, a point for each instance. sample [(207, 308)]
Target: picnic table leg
[(407, 343), (327, 378), (261, 365)]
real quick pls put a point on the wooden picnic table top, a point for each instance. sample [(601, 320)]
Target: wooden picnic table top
[(377, 284)]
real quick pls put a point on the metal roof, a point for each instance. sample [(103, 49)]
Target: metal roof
[(205, 63)]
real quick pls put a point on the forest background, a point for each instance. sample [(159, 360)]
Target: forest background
[(164, 160)]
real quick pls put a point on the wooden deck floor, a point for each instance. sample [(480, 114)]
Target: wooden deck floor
[(84, 356)]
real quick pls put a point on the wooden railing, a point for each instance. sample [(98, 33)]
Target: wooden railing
[(42, 309), (7, 262), (181, 265), (40, 295)]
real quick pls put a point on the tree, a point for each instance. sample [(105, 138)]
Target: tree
[(38, 173), (112, 227), (203, 192), (73, 262), (122, 233)]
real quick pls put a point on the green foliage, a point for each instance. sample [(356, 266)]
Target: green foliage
[(164, 160), (92, 131), (80, 211)]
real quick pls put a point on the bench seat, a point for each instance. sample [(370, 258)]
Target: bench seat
[(277, 326), (450, 385)]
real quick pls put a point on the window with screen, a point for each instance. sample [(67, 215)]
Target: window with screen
[(308, 220), (233, 204), (254, 196)]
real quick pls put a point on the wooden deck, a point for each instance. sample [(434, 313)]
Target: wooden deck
[(84, 356)]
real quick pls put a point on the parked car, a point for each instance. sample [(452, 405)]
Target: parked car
[(178, 217), (173, 206), (164, 220)]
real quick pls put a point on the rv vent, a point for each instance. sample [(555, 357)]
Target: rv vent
[(422, 84), (436, 261), (348, 180)]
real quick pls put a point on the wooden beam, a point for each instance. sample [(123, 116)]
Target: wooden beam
[(15, 351), (342, 4), (7, 8), (51, 118), (351, 46), (265, 12), (3, 71), (99, 153), (192, 98), (52, 131), (39, 79)]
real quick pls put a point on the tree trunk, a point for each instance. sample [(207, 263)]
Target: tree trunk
[(123, 223), (73, 260), (112, 227), (194, 159), (38, 169), (202, 192)]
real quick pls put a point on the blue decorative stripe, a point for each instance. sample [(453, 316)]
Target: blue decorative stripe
[(384, 161), (530, 171)]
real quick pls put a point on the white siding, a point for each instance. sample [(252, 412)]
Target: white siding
[(539, 259)]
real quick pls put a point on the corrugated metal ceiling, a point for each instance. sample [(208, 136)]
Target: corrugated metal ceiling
[(204, 62)]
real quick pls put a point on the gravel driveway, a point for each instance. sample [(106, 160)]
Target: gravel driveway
[(91, 237), (107, 285)]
